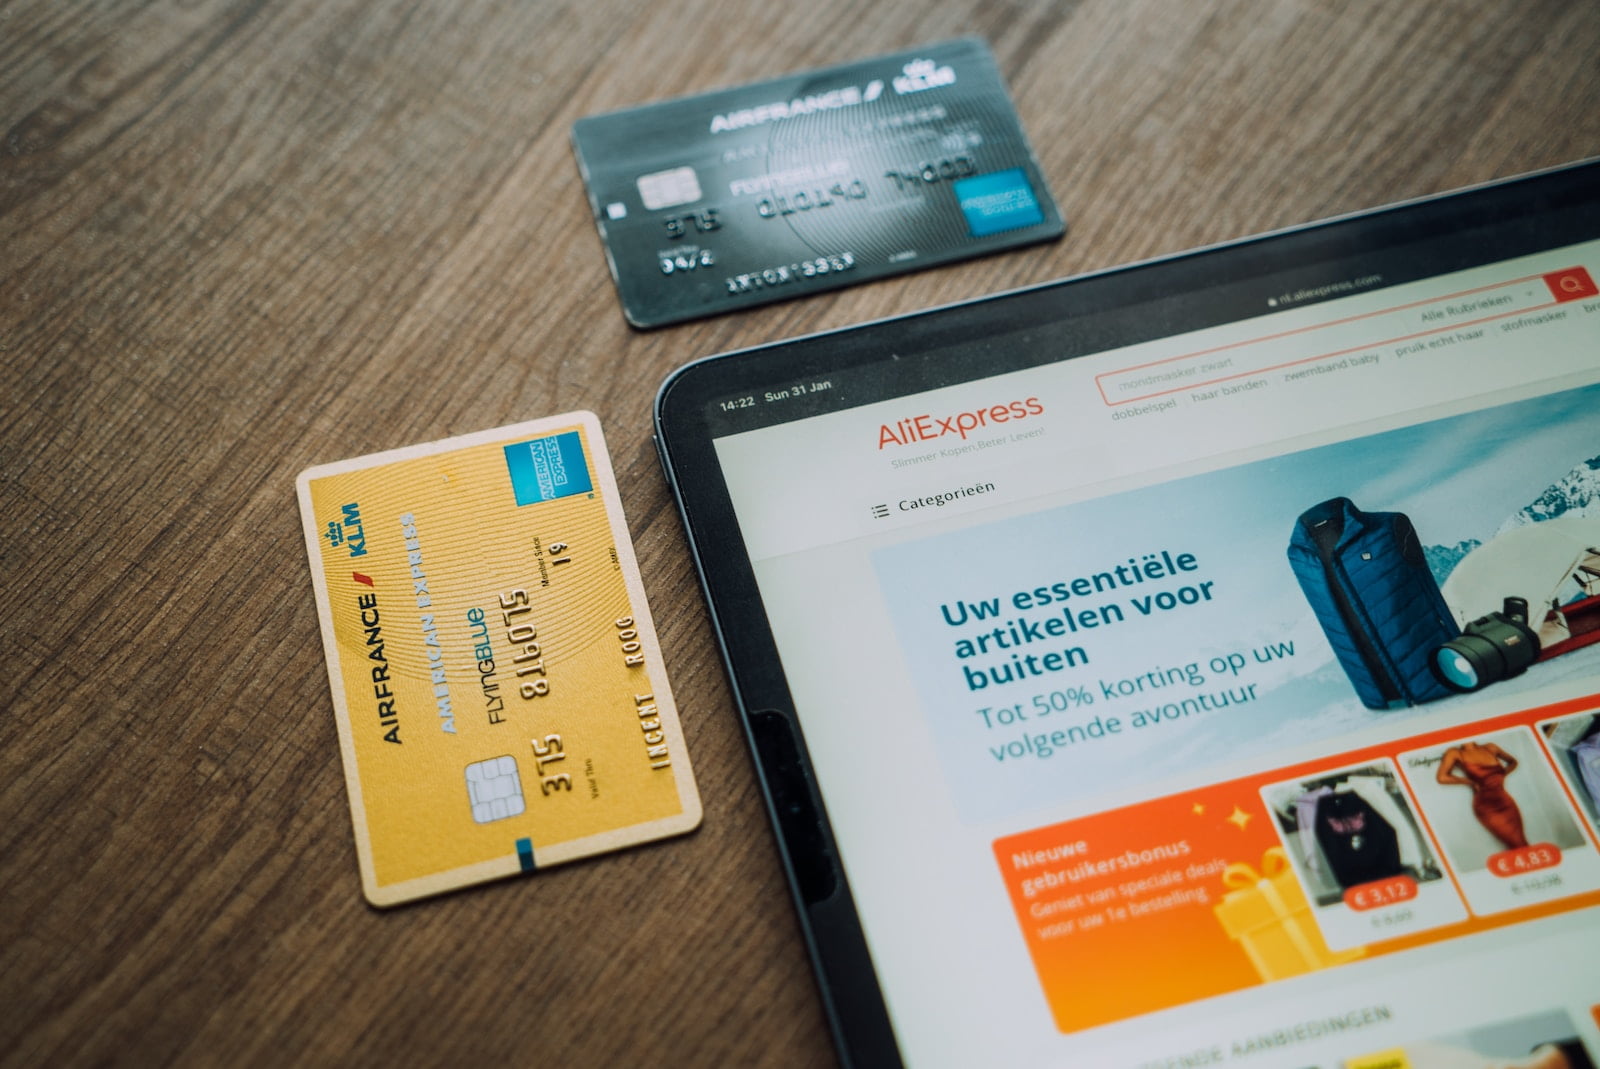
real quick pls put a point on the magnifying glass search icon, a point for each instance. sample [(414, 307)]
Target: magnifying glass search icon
[(1573, 284)]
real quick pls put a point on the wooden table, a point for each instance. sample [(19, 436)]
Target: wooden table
[(238, 238)]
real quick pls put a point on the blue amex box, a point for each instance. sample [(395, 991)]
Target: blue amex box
[(1000, 201), (544, 469)]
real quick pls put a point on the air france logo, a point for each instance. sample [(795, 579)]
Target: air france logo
[(922, 74), (926, 428), (848, 97)]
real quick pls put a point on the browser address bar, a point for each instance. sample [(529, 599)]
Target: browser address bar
[(1403, 329)]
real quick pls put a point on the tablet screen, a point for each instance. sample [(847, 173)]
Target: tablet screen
[(1198, 664)]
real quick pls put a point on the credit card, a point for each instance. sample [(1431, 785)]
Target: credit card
[(497, 683), (810, 182)]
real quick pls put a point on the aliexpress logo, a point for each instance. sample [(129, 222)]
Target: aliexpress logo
[(926, 428)]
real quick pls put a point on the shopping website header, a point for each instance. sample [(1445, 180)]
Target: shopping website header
[(1150, 406)]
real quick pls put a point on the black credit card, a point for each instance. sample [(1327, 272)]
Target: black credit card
[(810, 182)]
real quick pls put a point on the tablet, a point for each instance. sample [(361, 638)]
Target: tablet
[(1195, 663)]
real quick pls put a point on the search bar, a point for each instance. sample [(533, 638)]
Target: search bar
[(1400, 326)]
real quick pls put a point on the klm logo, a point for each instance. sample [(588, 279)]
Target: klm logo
[(921, 75), (346, 531)]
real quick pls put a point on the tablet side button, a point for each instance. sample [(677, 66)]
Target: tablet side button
[(661, 458), (789, 794)]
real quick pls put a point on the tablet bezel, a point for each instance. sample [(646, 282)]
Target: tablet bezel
[(1450, 231)]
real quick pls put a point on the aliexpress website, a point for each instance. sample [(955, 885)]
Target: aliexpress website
[(1229, 699)]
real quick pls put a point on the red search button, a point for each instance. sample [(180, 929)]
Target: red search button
[(1573, 284)]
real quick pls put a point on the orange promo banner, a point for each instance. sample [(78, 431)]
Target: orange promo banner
[(1306, 867)]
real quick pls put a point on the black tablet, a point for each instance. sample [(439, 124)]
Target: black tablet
[(1188, 664)]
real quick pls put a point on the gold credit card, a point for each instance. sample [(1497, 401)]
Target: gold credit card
[(497, 682)]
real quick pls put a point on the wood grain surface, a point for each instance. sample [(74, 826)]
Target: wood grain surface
[(240, 237)]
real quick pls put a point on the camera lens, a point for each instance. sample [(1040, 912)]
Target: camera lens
[(1489, 649), (1455, 669)]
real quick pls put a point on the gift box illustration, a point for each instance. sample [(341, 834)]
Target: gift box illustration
[(1268, 915)]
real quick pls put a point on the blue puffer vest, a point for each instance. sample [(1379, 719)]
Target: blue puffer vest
[(1368, 582)]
